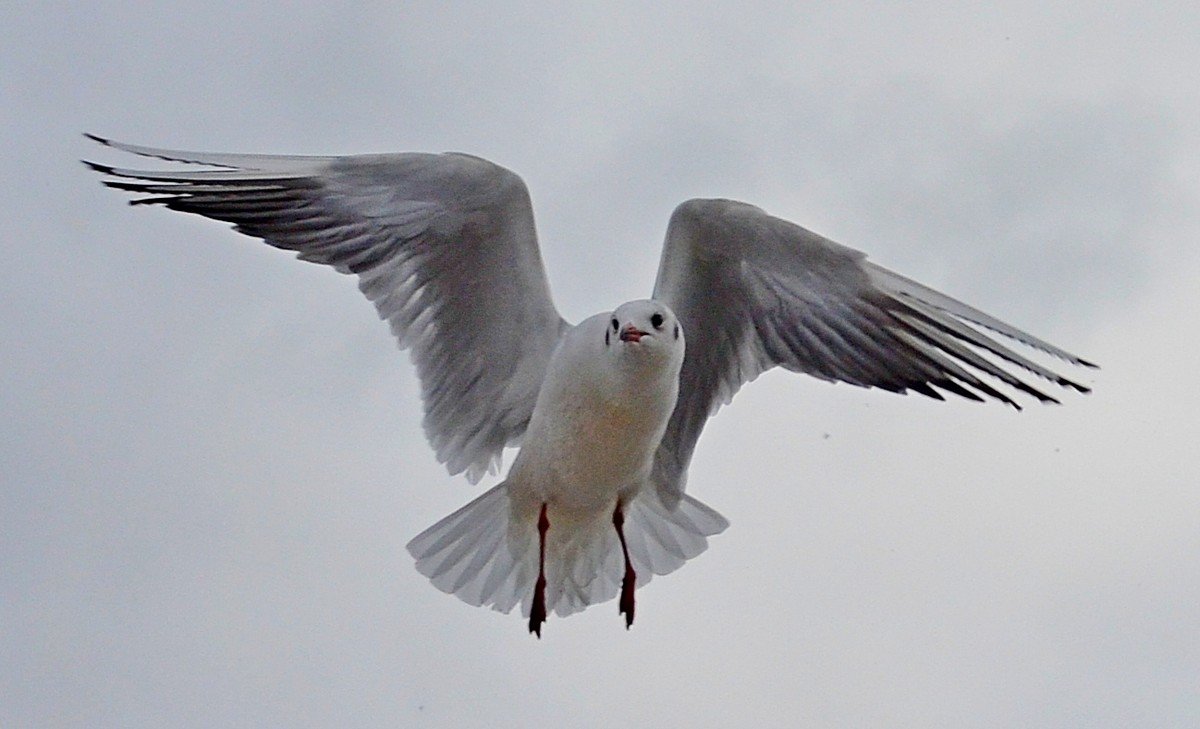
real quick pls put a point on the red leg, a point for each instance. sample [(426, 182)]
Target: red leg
[(537, 613), (629, 583)]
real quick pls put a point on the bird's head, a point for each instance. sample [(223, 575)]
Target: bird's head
[(645, 330)]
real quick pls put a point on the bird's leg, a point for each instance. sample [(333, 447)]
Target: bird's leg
[(537, 613), (629, 583)]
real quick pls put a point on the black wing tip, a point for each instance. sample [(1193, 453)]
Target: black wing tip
[(995, 395), (97, 138), (1048, 399), (1042, 397), (1064, 382), (124, 186), (97, 167)]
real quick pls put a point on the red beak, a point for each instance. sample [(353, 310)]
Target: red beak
[(632, 334)]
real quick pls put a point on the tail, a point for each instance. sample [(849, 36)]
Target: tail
[(486, 553), (477, 555)]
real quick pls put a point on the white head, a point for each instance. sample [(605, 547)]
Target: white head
[(632, 350), (645, 333)]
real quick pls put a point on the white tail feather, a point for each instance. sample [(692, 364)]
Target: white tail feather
[(475, 555), (486, 553)]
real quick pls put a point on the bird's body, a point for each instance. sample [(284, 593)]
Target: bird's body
[(595, 428), (585, 462), (606, 412)]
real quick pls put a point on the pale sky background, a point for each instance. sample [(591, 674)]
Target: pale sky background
[(212, 457)]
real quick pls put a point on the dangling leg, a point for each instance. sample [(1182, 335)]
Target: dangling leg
[(537, 613), (629, 583)]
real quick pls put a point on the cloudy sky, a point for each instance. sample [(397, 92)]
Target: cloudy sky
[(212, 457)]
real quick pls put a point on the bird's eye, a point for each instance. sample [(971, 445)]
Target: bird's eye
[(657, 320), (616, 324)]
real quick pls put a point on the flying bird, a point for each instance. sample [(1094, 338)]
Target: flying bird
[(606, 412)]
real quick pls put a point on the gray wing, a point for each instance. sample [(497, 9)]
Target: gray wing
[(754, 292), (443, 244)]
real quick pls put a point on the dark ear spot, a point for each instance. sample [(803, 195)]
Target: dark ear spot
[(677, 331), (606, 336)]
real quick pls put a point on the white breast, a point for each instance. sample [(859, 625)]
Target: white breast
[(598, 420)]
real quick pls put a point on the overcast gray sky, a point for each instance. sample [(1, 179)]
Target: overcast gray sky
[(212, 457)]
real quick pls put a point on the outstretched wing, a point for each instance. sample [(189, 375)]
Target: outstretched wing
[(754, 291), (443, 244)]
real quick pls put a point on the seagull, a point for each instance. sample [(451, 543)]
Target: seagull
[(606, 412)]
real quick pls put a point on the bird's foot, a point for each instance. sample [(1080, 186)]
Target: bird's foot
[(537, 612), (629, 583)]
